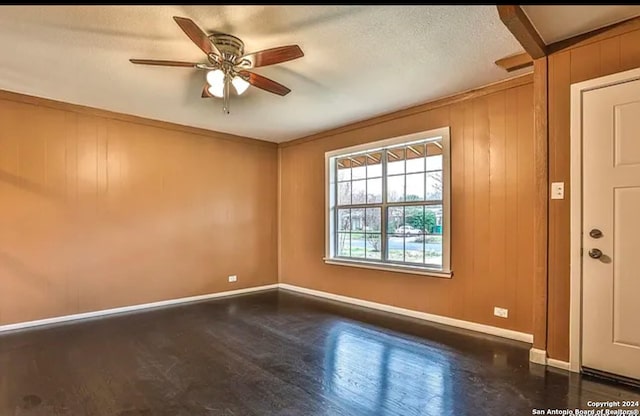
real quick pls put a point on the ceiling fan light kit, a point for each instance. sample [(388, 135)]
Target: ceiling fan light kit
[(228, 65)]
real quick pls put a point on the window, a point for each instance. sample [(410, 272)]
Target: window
[(388, 204)]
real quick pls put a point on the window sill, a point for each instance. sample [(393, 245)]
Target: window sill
[(390, 267)]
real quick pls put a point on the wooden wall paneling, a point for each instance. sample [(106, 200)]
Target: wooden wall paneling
[(526, 211), (481, 188), (497, 201), (610, 55), (99, 211), (105, 114), (459, 221), (511, 196), (602, 52), (559, 102), (419, 109), (481, 169), (585, 62), (541, 204), (629, 50), (466, 248)]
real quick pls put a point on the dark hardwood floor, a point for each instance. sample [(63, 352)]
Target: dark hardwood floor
[(278, 353)]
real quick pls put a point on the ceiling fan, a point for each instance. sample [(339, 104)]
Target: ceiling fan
[(228, 64)]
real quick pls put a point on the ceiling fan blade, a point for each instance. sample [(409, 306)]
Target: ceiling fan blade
[(274, 55), (163, 63), (205, 92), (196, 35), (265, 83)]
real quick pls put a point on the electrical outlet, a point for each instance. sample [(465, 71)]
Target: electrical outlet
[(557, 190), (501, 312), (233, 278)]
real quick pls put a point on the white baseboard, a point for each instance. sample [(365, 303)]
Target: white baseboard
[(486, 329), (105, 312), (559, 364), (538, 356)]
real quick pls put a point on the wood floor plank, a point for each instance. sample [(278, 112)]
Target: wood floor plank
[(277, 353)]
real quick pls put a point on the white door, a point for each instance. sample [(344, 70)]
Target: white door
[(611, 205)]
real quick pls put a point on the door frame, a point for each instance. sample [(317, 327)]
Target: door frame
[(575, 311)]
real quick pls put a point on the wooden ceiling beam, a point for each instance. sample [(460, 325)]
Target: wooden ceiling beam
[(520, 26), (515, 62)]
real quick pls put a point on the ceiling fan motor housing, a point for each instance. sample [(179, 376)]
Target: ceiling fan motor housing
[(229, 46)]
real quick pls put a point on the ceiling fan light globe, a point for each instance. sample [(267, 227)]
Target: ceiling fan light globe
[(240, 84), (215, 78), (217, 90)]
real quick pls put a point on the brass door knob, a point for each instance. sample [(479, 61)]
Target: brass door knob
[(595, 253), (595, 233)]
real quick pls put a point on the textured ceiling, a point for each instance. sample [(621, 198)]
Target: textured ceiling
[(555, 23), (360, 61)]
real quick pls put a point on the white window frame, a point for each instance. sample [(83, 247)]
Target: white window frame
[(441, 134)]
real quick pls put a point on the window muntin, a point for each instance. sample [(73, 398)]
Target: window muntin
[(390, 204)]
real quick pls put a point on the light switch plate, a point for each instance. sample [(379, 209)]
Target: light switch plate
[(557, 190)]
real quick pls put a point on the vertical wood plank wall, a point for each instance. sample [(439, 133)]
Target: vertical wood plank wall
[(492, 210), (541, 207), (97, 212), (614, 51)]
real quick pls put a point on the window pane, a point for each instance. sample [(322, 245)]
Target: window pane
[(395, 188), (374, 191), (373, 246), (358, 169), (357, 244), (359, 191), (357, 219), (395, 161), (434, 186), (434, 162), (344, 221), (434, 148), (395, 219), (344, 193), (433, 239), (395, 247), (414, 220), (412, 181), (415, 187), (433, 219), (344, 169), (374, 165), (415, 158), (344, 244), (415, 165), (373, 219), (414, 249)]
